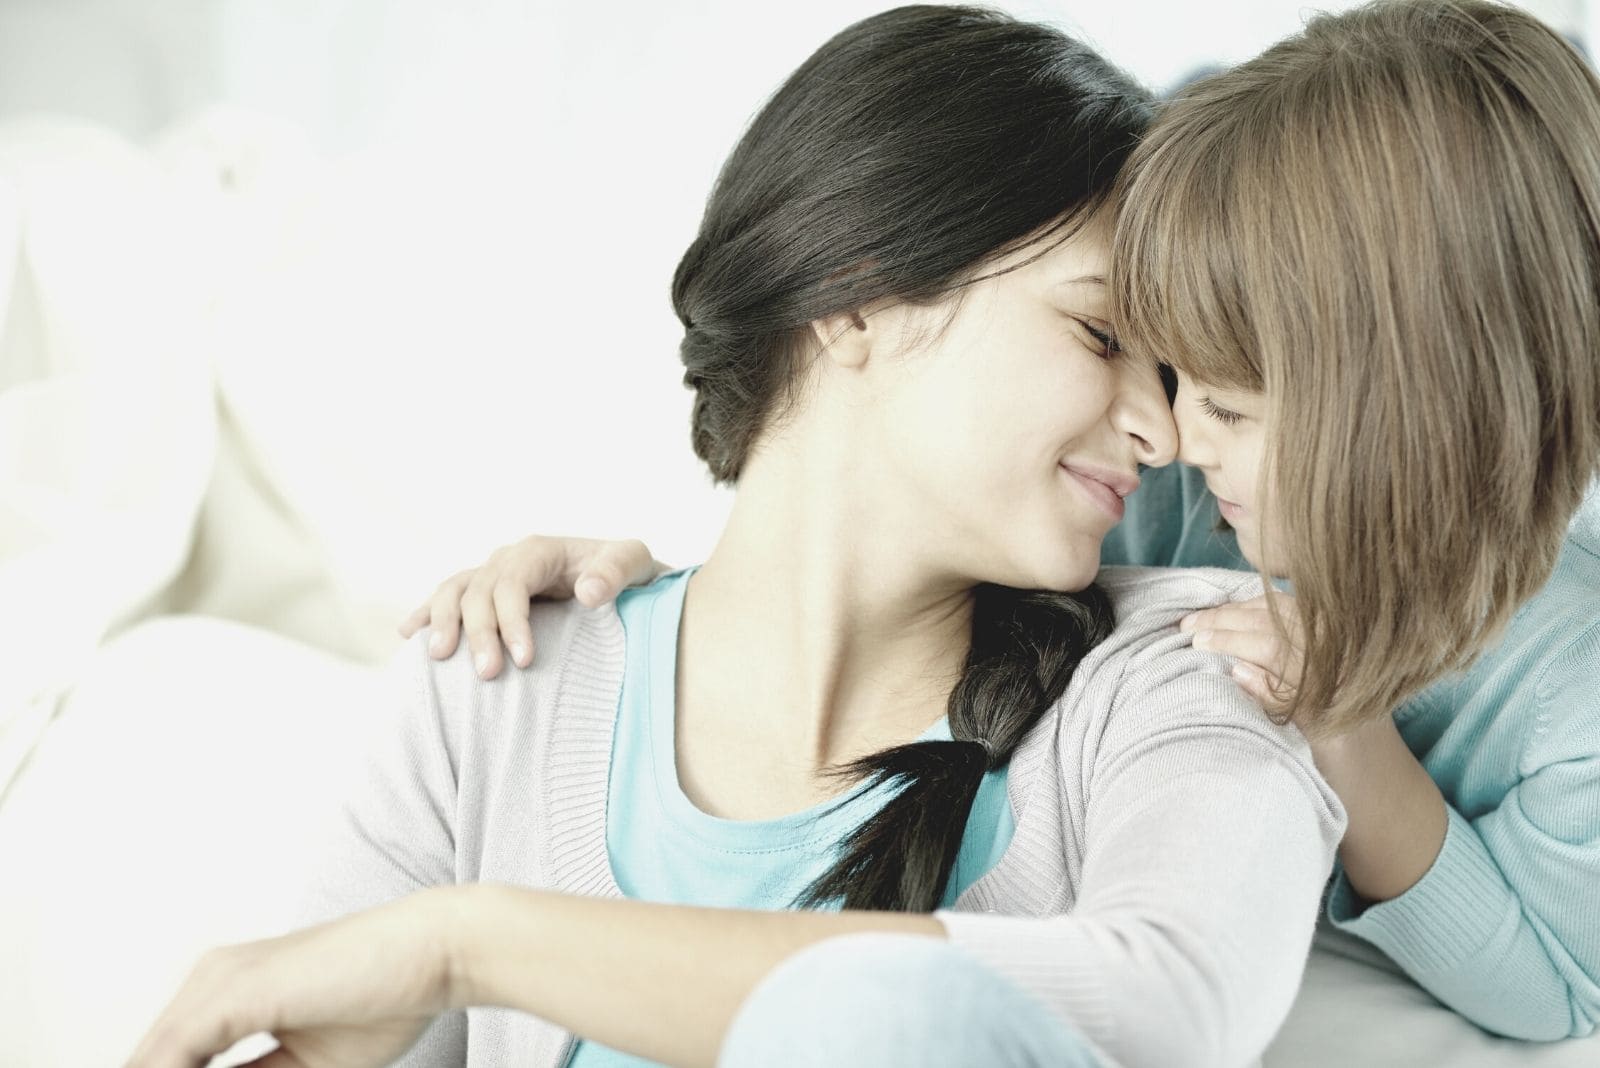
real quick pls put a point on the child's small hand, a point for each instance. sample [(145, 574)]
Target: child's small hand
[(1397, 816), (490, 602), (1269, 658)]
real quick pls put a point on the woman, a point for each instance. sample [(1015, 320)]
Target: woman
[(1385, 321), (896, 330)]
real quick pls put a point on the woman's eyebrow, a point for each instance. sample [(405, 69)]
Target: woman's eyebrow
[(1084, 280)]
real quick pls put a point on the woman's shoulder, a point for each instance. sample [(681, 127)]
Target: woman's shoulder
[(1147, 679), (575, 650), (1145, 596)]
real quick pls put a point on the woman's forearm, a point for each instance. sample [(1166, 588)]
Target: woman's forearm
[(658, 981)]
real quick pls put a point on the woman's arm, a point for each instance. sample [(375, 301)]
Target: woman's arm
[(659, 981), (662, 982), (1208, 844), (1209, 841)]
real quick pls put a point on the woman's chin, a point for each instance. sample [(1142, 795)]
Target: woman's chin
[(1066, 575)]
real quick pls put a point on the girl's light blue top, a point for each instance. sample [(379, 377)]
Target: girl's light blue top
[(1505, 927), (663, 848)]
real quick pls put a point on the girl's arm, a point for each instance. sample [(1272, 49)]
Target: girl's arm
[(1502, 926), (1492, 913), (1171, 521)]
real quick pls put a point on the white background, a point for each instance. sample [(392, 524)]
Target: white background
[(465, 334)]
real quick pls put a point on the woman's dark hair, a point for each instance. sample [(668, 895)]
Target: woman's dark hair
[(907, 152)]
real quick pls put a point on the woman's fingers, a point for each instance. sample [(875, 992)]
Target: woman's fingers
[(193, 1026), (354, 991), (612, 567)]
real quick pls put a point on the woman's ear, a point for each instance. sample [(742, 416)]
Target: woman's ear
[(845, 338)]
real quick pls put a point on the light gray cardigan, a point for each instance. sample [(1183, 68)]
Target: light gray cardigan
[(1160, 892)]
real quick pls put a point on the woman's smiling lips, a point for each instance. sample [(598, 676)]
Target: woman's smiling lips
[(1105, 486)]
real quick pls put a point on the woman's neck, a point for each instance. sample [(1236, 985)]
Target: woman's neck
[(814, 630)]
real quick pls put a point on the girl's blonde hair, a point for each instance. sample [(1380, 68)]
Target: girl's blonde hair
[(1391, 224)]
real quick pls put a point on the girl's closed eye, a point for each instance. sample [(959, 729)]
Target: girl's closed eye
[(1222, 415)]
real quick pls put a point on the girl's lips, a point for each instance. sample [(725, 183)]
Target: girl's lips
[(1108, 500)]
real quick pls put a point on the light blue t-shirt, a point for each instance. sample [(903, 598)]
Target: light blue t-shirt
[(1502, 927), (663, 848)]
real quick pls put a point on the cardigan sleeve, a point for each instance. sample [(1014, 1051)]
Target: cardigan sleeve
[(1502, 927), (395, 833), (1210, 837)]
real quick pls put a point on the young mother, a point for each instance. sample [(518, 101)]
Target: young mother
[(1372, 255), (896, 328)]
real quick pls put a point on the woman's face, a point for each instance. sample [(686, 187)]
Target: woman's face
[(1223, 433), (1018, 427)]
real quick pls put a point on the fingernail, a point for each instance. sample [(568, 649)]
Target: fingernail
[(590, 589), (1202, 639), (436, 644), (519, 653), (1186, 624), (481, 662), (1244, 673)]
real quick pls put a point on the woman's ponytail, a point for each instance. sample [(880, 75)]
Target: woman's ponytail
[(1025, 646)]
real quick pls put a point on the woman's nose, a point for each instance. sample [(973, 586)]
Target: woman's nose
[(1146, 416)]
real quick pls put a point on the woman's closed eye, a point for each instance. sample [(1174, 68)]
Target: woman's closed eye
[(1104, 339)]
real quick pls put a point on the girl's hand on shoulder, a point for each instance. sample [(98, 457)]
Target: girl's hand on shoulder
[(1268, 657), (355, 992), (490, 602)]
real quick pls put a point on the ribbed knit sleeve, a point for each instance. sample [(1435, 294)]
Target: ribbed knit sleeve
[(1207, 840), (396, 831), (1505, 926)]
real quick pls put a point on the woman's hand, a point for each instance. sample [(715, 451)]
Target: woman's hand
[(358, 991), (491, 601)]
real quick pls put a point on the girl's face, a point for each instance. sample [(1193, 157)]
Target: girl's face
[(1223, 433), (1018, 427)]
